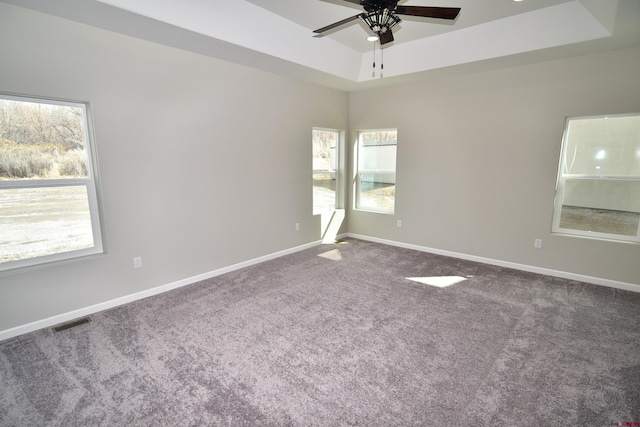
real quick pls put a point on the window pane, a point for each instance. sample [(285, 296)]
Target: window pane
[(41, 141), (376, 192), (324, 149), (600, 220), (377, 170), (43, 221), (324, 192), (378, 151), (603, 194), (324, 161), (601, 206), (603, 146)]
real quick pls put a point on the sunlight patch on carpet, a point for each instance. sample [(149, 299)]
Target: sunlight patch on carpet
[(333, 255), (438, 281)]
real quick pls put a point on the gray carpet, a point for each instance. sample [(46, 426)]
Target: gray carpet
[(334, 336)]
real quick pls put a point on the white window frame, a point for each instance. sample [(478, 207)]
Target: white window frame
[(563, 177), (90, 183), (334, 171), (359, 171)]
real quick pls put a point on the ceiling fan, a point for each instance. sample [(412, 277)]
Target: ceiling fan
[(382, 15)]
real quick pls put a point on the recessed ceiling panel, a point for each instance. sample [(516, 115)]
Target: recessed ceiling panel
[(278, 34), (314, 14)]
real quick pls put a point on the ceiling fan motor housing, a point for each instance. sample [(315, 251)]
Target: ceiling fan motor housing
[(377, 5), (381, 21)]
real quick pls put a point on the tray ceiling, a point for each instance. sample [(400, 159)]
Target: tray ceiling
[(277, 35)]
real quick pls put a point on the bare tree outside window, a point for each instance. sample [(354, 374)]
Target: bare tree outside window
[(325, 176)]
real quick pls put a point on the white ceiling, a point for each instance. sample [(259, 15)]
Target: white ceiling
[(277, 35)]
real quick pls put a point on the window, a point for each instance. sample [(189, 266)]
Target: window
[(598, 189), (376, 172), (48, 202), (325, 161)]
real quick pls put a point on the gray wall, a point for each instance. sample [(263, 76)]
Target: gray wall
[(203, 163), (478, 157)]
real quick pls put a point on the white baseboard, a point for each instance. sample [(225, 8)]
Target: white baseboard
[(523, 267), (86, 311)]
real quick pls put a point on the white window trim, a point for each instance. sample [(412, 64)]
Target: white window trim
[(91, 183)]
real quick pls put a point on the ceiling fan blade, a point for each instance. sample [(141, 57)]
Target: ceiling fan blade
[(429, 12), (337, 24), (385, 37), (354, 1)]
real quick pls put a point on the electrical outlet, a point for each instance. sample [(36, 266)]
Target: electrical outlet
[(537, 243), (297, 226), (399, 223), (137, 262)]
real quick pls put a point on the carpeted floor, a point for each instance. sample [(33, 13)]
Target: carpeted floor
[(337, 335)]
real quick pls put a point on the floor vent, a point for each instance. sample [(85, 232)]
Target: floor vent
[(71, 324)]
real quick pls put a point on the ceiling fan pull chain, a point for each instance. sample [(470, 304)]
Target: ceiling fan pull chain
[(373, 73), (381, 61), (374, 55)]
